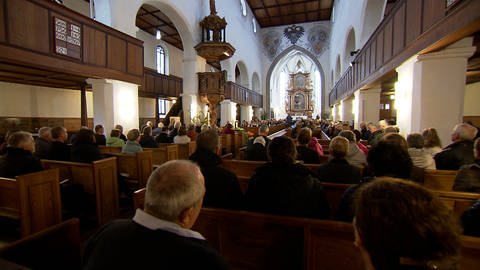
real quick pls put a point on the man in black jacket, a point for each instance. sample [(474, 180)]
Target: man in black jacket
[(460, 151), (158, 237), (283, 187), (19, 158), (222, 187), (59, 149)]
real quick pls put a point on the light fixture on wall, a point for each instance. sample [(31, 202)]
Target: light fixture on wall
[(352, 53), (159, 35)]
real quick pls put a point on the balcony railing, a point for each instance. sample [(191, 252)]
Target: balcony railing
[(242, 95), (45, 35), (160, 85), (409, 28)]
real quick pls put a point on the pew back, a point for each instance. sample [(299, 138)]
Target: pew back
[(135, 167), (57, 247), (164, 153), (186, 149), (109, 149), (439, 179), (139, 198), (457, 201), (32, 198), (98, 178), (258, 241)]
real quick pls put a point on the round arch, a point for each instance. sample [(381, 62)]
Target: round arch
[(350, 45), (242, 76), (256, 82), (372, 16), (179, 20), (278, 59), (338, 68)]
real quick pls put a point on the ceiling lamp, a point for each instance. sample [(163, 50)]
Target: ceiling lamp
[(214, 47), (159, 35)]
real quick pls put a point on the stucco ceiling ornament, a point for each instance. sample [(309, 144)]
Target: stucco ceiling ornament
[(293, 33)]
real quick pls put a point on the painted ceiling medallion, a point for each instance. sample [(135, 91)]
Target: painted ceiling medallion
[(293, 33)]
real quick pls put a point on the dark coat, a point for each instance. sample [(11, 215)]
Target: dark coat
[(100, 139), (286, 189), (222, 188), (59, 151), (163, 138), (42, 147), (148, 142), (471, 220), (255, 152), (85, 153), (468, 178), (18, 161), (124, 244), (339, 171), (455, 155), (308, 155)]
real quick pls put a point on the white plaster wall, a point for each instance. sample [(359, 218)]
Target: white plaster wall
[(19, 100), (79, 6), (350, 14), (146, 107), (472, 100), (150, 43), (239, 33)]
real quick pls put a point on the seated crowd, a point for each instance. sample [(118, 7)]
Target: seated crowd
[(282, 185)]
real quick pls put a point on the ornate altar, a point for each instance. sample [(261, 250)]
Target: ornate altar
[(299, 100)]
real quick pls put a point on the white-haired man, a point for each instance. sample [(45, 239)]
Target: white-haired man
[(43, 142), (460, 151), (158, 237), (19, 158)]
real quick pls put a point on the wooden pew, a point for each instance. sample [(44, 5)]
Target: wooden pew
[(226, 140), (457, 201), (109, 149), (98, 178), (164, 153), (136, 167), (58, 247), (186, 149), (334, 193), (33, 199), (259, 241), (439, 179), (139, 198), (250, 240)]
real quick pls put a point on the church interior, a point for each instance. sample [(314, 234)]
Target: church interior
[(245, 63)]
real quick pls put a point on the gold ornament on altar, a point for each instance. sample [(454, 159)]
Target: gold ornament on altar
[(299, 100)]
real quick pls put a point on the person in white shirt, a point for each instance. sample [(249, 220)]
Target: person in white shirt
[(181, 136)]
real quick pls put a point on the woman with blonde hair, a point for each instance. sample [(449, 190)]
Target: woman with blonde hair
[(432, 144)]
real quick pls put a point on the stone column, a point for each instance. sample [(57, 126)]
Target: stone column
[(228, 112), (257, 112), (190, 87), (347, 110), (246, 113), (430, 90), (367, 106), (114, 102)]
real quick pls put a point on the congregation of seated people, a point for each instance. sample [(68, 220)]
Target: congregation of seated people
[(372, 160)]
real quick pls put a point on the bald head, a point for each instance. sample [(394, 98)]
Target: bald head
[(172, 188)]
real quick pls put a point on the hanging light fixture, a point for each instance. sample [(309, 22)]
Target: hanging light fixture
[(159, 35)]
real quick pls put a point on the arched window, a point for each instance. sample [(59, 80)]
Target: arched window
[(161, 59), (243, 7)]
